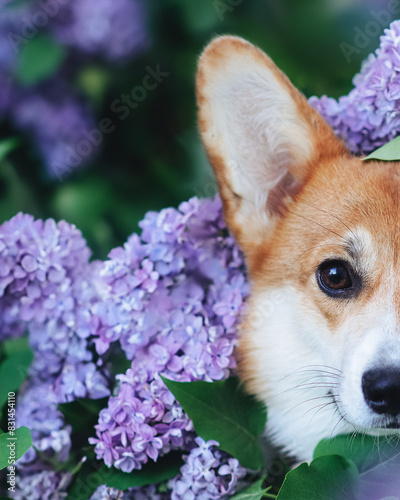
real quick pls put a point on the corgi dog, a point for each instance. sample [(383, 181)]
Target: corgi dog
[(320, 231)]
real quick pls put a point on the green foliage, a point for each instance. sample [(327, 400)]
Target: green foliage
[(339, 467), (330, 477), (18, 442), (39, 59), (14, 368), (223, 412), (388, 152), (82, 414), (6, 146), (365, 451), (253, 492)]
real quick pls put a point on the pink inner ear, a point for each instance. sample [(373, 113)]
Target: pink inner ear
[(262, 137)]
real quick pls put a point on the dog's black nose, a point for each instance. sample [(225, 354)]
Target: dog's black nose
[(381, 389)]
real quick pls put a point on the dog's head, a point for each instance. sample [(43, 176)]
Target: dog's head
[(321, 234)]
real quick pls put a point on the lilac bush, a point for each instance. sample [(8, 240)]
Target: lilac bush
[(168, 298)]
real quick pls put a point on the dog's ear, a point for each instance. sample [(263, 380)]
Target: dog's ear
[(262, 137)]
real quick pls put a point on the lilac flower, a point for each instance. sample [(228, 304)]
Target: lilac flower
[(42, 485), (208, 474), (113, 29), (37, 410), (48, 286), (369, 116), (38, 263), (141, 493), (172, 299), (60, 123)]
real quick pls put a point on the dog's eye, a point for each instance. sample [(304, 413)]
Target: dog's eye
[(335, 277)]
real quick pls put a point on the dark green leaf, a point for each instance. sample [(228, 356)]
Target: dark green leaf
[(253, 492), (91, 476), (377, 460), (365, 451), (39, 59), (388, 152), (18, 442), (330, 477), (82, 414), (13, 371), (6, 146), (223, 412), (15, 345)]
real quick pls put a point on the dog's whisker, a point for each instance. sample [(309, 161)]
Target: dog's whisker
[(320, 407), (305, 401)]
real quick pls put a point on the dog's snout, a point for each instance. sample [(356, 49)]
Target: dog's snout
[(381, 389)]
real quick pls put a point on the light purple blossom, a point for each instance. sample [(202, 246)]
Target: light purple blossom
[(59, 121), (208, 474), (369, 115), (42, 485), (37, 410), (141, 493), (112, 29)]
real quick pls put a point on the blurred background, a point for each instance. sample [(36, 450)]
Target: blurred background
[(97, 103)]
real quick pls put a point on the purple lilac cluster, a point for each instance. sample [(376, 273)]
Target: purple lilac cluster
[(172, 300), (368, 117), (113, 29), (48, 286), (208, 473), (37, 410), (59, 121), (52, 112), (43, 485)]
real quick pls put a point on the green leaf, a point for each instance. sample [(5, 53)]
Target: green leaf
[(223, 412), (330, 477), (82, 414), (39, 59), (253, 492), (13, 446), (13, 371), (91, 476), (388, 152), (365, 451), (15, 345), (7, 146)]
